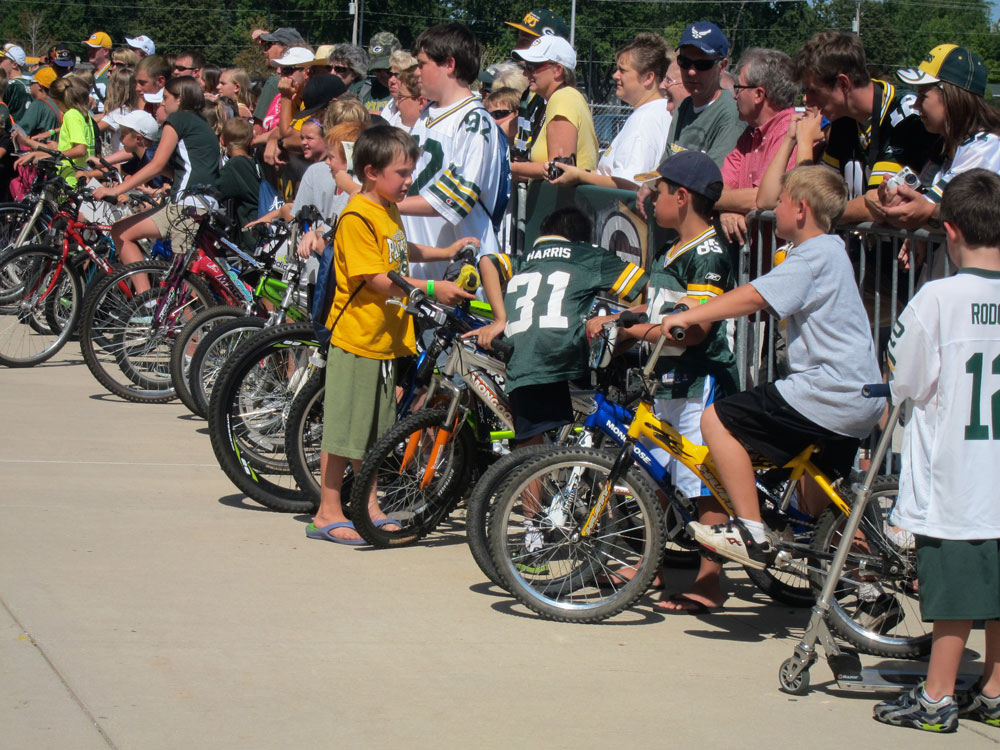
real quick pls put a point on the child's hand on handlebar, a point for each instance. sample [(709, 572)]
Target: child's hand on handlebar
[(484, 336), (103, 192), (450, 293), (455, 247), (310, 243), (595, 324)]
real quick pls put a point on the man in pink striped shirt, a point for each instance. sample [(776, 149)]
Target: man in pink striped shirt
[(765, 92)]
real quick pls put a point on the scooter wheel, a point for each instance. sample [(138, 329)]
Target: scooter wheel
[(797, 685)]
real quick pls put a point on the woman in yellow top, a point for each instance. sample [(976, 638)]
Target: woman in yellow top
[(568, 127)]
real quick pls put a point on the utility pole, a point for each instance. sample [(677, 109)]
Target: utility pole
[(856, 27), (572, 23), (352, 8)]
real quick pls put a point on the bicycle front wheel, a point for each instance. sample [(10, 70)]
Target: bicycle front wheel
[(876, 604), (214, 350), (42, 297), (411, 475), (248, 411), (537, 544), (187, 343)]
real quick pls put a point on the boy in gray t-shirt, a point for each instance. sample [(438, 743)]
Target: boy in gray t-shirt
[(830, 355)]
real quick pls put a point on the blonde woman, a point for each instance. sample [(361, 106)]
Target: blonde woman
[(235, 83), (122, 98)]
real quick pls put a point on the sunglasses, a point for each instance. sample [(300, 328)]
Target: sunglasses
[(499, 114), (341, 69), (533, 67), (686, 63), (183, 68), (287, 71)]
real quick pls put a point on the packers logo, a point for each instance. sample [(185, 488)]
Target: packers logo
[(377, 49), (531, 20)]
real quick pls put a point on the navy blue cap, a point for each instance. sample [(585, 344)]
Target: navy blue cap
[(693, 170), (707, 37)]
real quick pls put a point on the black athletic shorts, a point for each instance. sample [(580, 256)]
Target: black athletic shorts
[(765, 424), (540, 408)]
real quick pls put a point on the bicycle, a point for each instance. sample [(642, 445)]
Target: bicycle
[(564, 535), (127, 334), (416, 471)]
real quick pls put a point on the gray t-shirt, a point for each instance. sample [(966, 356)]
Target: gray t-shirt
[(319, 189), (830, 349), (713, 130)]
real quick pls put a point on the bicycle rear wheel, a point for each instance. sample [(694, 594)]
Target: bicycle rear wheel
[(214, 350), (248, 409), (304, 434), (43, 298), (187, 343), (412, 477), (876, 605), (119, 345), (548, 565)]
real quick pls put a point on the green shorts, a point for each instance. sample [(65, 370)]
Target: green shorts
[(360, 402), (959, 579)]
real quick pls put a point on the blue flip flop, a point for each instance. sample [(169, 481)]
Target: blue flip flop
[(385, 521), (324, 533)]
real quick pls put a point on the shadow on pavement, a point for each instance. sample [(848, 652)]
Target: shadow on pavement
[(242, 502)]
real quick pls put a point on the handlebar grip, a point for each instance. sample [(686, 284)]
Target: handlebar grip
[(397, 278), (50, 152), (676, 332), (106, 164), (630, 318), (876, 390), (502, 350)]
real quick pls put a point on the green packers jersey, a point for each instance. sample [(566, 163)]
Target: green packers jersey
[(700, 269), (549, 291)]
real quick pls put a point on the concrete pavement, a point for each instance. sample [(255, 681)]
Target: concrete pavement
[(146, 604)]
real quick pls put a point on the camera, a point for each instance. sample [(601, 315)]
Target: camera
[(905, 176), (554, 171)]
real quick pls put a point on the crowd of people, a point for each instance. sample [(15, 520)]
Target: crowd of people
[(413, 153)]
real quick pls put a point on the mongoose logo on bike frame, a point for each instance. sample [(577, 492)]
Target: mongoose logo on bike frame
[(485, 389)]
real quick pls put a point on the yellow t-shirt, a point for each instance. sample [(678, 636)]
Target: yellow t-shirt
[(569, 103), (369, 327)]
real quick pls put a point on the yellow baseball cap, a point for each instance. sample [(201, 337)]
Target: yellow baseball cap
[(98, 39), (952, 64), (44, 77)]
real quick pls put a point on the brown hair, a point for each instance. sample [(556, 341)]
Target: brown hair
[(965, 114), (71, 93), (155, 67), (647, 53), (237, 133), (830, 53), (408, 80), (971, 203), (506, 97), (378, 146), (125, 56), (822, 189), (244, 95), (190, 95), (121, 90)]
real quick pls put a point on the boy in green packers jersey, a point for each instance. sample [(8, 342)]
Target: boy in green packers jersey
[(549, 290), (691, 270)]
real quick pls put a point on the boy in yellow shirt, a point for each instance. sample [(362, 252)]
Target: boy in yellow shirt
[(368, 335)]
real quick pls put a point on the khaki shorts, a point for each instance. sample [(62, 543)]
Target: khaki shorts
[(173, 224), (360, 402)]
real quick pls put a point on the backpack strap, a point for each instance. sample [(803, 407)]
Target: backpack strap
[(355, 292)]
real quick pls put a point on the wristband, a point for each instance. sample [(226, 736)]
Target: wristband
[(430, 289), (52, 133)]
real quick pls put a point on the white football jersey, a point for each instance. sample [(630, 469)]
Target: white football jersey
[(944, 355), (464, 173), (981, 150)]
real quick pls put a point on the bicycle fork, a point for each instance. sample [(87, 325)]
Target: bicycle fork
[(621, 465)]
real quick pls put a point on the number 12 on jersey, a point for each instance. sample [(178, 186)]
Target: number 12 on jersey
[(557, 281), (976, 430)]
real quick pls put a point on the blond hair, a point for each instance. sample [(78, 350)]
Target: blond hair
[(344, 132), (822, 189), (345, 109)]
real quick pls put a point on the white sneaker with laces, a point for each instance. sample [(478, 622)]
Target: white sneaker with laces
[(732, 542)]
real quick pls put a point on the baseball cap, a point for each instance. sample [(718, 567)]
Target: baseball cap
[(707, 37), (156, 98), (63, 58), (98, 39), (294, 56), (382, 46), (541, 22), (952, 64), (44, 76), (693, 170), (15, 53), (285, 35), (548, 48), (318, 92), (489, 75), (142, 42), (141, 122)]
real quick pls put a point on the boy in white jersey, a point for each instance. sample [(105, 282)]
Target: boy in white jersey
[(461, 184), (945, 357)]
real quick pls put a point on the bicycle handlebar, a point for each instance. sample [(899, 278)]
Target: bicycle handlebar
[(676, 332), (631, 318), (876, 390)]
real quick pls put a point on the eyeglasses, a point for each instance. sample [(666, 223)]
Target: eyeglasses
[(738, 87), (341, 69), (533, 67), (499, 114), (686, 63), (404, 98)]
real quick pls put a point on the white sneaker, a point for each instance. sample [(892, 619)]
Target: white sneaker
[(732, 542)]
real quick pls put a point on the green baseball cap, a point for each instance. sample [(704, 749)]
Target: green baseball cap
[(541, 22), (382, 46), (952, 64)]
